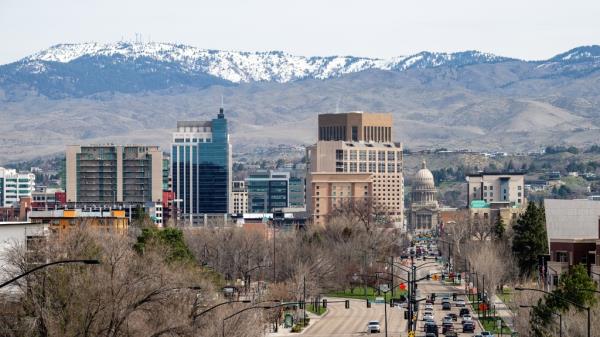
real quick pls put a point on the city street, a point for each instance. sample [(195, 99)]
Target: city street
[(353, 322)]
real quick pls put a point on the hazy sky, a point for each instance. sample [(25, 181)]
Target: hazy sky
[(529, 29)]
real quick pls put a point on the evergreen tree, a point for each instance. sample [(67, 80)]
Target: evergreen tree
[(530, 239), (499, 228)]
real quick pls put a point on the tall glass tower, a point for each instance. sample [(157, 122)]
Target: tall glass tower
[(201, 168)]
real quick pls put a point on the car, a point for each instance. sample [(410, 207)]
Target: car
[(447, 319), (478, 335), (431, 328), (468, 327), (446, 306), (430, 334), (466, 318), (445, 299), (427, 324), (460, 303), (487, 334), (451, 334), (373, 326), (454, 316), (463, 311), (428, 315), (428, 306), (447, 327)]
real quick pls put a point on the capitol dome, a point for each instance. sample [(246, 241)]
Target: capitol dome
[(424, 178)]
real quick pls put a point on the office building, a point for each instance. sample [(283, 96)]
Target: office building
[(239, 197), (166, 172), (496, 188), (201, 168), (356, 126), (109, 174), (267, 191), (369, 151), (424, 207), (62, 221), (15, 185), (297, 195)]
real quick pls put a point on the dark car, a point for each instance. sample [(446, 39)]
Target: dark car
[(446, 306), (431, 328), (447, 327), (428, 323), (454, 316), (431, 334), (468, 327), (463, 311)]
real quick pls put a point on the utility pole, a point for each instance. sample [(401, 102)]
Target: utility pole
[(392, 265), (304, 301), (483, 295)]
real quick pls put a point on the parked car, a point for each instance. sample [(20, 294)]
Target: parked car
[(373, 326), (446, 306), (460, 303), (463, 311), (468, 327)]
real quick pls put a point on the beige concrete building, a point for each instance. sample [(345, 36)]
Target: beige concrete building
[(333, 190), (239, 197), (356, 126), (104, 174), (382, 161), (424, 207), (496, 188)]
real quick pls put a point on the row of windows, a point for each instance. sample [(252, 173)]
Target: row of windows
[(372, 155)]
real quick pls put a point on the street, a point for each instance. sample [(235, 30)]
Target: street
[(353, 322)]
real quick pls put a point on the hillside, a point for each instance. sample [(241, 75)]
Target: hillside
[(462, 100)]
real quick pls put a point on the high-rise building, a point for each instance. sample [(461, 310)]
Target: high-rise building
[(166, 172), (297, 192), (239, 197), (14, 185), (354, 143), (496, 188), (356, 126), (268, 190), (201, 168), (110, 174)]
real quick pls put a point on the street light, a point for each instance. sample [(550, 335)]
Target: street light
[(566, 300), (85, 261), (554, 313)]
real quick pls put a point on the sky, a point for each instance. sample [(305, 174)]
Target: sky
[(526, 29)]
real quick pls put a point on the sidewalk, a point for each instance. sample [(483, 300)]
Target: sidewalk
[(503, 312), (314, 318)]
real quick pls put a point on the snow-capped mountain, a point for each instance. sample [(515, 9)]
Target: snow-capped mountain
[(239, 67)]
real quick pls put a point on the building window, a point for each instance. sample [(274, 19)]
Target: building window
[(372, 155), (355, 133), (362, 155), (391, 155), (339, 154), (562, 257), (491, 188), (372, 167), (485, 188), (363, 167), (352, 154), (519, 187), (381, 155), (352, 167)]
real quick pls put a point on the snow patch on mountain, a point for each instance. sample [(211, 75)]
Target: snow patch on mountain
[(239, 67)]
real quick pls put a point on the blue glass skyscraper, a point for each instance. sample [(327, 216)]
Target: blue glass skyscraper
[(201, 168)]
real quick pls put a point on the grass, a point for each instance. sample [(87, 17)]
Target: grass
[(489, 324), (505, 296), (311, 308), (359, 293)]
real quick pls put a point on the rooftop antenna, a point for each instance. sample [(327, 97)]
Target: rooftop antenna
[(337, 105), (221, 113)]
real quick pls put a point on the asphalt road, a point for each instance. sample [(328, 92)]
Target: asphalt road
[(353, 322)]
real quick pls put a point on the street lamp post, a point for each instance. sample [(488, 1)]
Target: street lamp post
[(589, 333), (83, 261), (554, 313)]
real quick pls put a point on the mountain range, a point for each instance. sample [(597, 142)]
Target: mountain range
[(135, 92)]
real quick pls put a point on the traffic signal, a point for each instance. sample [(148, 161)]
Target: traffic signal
[(458, 277), (405, 314), (443, 277), (433, 296), (478, 296), (368, 303), (347, 304), (454, 296), (428, 277), (301, 305)]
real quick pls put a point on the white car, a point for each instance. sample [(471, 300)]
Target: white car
[(373, 326), (428, 315), (486, 334), (460, 303), (428, 306), (466, 318)]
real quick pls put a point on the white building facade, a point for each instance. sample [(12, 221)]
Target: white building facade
[(14, 185)]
